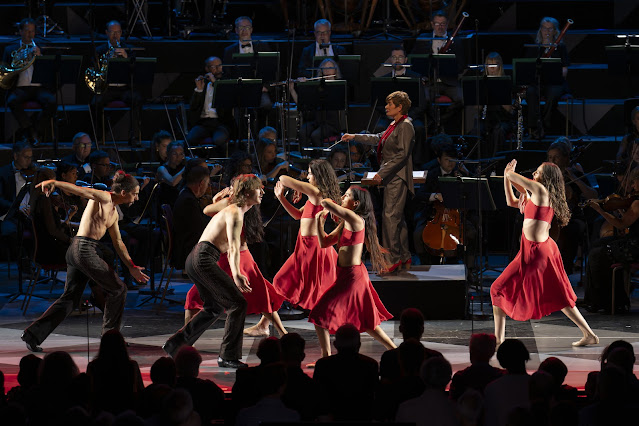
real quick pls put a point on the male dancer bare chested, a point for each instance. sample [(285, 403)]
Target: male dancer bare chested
[(218, 291), (83, 258)]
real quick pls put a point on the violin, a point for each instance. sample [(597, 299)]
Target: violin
[(613, 202)]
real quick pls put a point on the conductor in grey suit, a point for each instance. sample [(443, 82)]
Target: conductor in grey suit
[(394, 148)]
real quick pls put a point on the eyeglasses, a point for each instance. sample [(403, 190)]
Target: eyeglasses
[(245, 28), (440, 24), (103, 165), (322, 32), (398, 58), (84, 145)]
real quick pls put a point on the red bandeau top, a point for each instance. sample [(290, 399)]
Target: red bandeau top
[(543, 213), (350, 238), (310, 210)]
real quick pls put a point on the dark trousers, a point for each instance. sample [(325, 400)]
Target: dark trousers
[(124, 94), (394, 228), (598, 290), (39, 122), (85, 261), (219, 293), (208, 128)]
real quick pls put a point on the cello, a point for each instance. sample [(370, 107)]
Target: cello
[(443, 233)]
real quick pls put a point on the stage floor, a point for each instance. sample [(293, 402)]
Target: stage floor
[(147, 327)]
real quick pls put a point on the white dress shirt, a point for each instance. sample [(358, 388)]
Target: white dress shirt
[(208, 111)]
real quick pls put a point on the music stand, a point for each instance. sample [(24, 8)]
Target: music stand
[(420, 63), (464, 193), (324, 95), (529, 72), (55, 71), (264, 65), (492, 90), (624, 61), (239, 93)]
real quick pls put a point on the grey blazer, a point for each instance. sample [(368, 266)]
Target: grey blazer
[(397, 153)]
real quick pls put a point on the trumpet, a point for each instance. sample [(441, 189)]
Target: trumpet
[(21, 59)]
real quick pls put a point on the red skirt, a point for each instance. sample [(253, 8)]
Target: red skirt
[(307, 273), (263, 298), (534, 284), (352, 299)]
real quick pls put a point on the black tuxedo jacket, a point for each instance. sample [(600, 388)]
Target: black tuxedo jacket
[(188, 224), (306, 60), (7, 188), (225, 115), (244, 72)]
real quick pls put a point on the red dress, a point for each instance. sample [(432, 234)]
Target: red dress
[(535, 283), (309, 271), (263, 298), (352, 299)]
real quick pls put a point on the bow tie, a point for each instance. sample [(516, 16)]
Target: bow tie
[(244, 46)]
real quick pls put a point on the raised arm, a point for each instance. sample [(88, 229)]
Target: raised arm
[(234, 222), (326, 240), (349, 216), (538, 193), (164, 176), (291, 209), (92, 194), (303, 187), (511, 199), (367, 139), (120, 248), (220, 202)]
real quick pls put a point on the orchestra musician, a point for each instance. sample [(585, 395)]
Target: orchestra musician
[(81, 147), (101, 169), (22, 89), (207, 121), (115, 47), (394, 153), (321, 47), (13, 177), (629, 147), (170, 174), (540, 120), (161, 141)]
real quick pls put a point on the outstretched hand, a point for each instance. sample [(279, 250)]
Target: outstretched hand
[(242, 283), (138, 275), (47, 186)]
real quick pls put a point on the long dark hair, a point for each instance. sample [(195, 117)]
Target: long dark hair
[(553, 180), (326, 180), (365, 210)]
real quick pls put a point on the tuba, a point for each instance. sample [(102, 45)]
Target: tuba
[(96, 79), (21, 59)]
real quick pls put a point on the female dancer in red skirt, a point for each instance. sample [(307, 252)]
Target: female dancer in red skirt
[(352, 298), (263, 298), (535, 283), (310, 270)]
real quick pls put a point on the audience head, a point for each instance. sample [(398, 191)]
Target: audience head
[(163, 371), (293, 345), (198, 180), (400, 100), (113, 348), (329, 69), (470, 406), (622, 358), (22, 155), (57, 370), (541, 387), (338, 158), (81, 146), (114, 32), (347, 340), (161, 141), (497, 68), (213, 64), (29, 367), (482, 347), (269, 350), (556, 368), (548, 30), (174, 154), (411, 357), (100, 164), (436, 373), (322, 31), (322, 176), (177, 408), (27, 30), (66, 172), (611, 347), (244, 28), (513, 355), (272, 379), (187, 362), (411, 323), (439, 22)]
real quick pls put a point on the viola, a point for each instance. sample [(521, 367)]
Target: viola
[(613, 202)]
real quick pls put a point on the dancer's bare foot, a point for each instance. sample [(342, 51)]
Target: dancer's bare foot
[(256, 331), (587, 340)]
